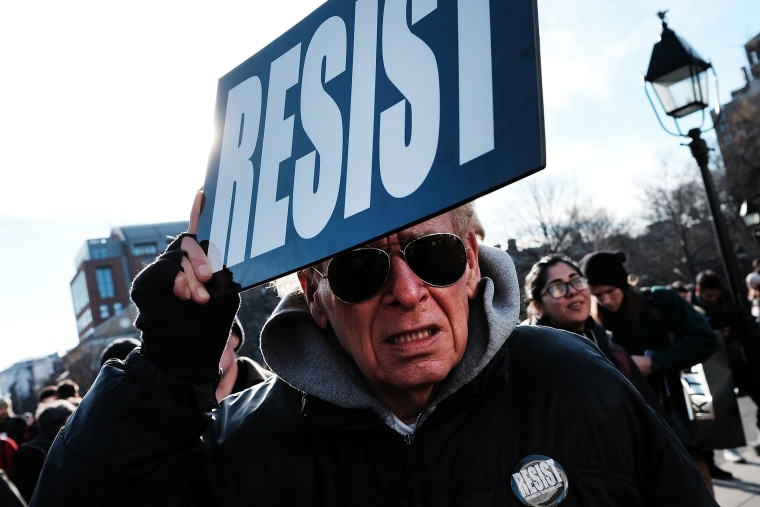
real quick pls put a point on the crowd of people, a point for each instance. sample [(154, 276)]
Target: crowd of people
[(399, 373), (25, 439), (663, 333)]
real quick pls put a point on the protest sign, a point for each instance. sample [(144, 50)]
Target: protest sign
[(366, 117)]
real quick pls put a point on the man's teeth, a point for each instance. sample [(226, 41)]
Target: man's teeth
[(412, 337)]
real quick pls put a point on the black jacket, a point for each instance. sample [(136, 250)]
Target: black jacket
[(301, 451), (315, 434), (619, 357), (28, 461)]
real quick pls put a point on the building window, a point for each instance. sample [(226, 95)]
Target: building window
[(79, 292), (117, 307), (144, 249), (104, 312), (105, 282), (99, 251), (84, 320)]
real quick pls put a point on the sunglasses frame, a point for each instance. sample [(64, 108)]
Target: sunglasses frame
[(402, 254)]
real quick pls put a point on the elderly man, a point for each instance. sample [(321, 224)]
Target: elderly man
[(401, 379)]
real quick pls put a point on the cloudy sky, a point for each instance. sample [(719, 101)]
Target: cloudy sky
[(106, 119)]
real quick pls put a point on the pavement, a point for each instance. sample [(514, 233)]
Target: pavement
[(744, 489)]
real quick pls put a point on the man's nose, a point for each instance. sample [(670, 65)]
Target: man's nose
[(403, 286)]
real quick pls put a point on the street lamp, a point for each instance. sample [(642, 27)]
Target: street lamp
[(678, 76)]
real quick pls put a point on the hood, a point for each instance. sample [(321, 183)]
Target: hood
[(311, 360)]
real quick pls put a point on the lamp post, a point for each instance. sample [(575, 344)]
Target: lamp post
[(678, 76)]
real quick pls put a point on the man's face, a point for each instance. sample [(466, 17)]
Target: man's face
[(608, 297), (409, 335)]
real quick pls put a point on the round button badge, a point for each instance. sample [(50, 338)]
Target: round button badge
[(539, 481)]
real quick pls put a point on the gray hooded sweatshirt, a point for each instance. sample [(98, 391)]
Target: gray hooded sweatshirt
[(311, 360)]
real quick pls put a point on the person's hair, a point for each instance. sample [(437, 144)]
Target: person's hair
[(67, 388), (54, 414), (679, 286), (118, 349), (464, 218), (536, 277), (6, 402), (47, 392), (708, 279)]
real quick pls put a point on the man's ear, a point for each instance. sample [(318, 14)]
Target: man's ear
[(473, 272), (309, 286)]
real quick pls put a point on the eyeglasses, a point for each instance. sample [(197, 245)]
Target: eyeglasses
[(438, 260), (560, 289)]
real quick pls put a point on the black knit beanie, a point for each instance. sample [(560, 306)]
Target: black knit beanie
[(237, 328), (605, 268)]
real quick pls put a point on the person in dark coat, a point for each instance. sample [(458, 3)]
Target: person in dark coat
[(30, 456), (118, 349), (716, 304), (661, 330), (401, 378), (9, 493), (238, 372), (13, 426)]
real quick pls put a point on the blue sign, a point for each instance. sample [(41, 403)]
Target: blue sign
[(364, 118)]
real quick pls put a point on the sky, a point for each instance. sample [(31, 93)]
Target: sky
[(106, 119)]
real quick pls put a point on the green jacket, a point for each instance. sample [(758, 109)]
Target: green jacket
[(676, 334)]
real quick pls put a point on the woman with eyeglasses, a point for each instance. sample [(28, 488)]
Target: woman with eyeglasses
[(558, 296)]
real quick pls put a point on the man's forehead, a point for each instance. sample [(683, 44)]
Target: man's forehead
[(440, 223)]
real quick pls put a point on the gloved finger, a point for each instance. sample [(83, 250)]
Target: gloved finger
[(196, 268), (196, 271)]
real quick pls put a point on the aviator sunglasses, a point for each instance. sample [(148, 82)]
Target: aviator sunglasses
[(438, 260)]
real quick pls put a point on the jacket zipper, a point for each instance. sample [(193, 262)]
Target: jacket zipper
[(416, 499)]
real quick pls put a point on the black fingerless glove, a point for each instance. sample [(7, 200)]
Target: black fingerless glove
[(182, 338)]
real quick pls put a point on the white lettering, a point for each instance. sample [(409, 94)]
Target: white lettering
[(476, 122), (236, 173), (554, 469), (528, 481), (271, 214), (535, 477), (347, 128), (323, 123), (411, 66), (362, 116), (521, 484), (549, 478)]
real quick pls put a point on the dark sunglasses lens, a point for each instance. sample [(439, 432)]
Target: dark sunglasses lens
[(438, 259), (357, 275)]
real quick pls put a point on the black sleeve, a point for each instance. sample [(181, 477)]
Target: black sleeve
[(182, 338), (127, 443)]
